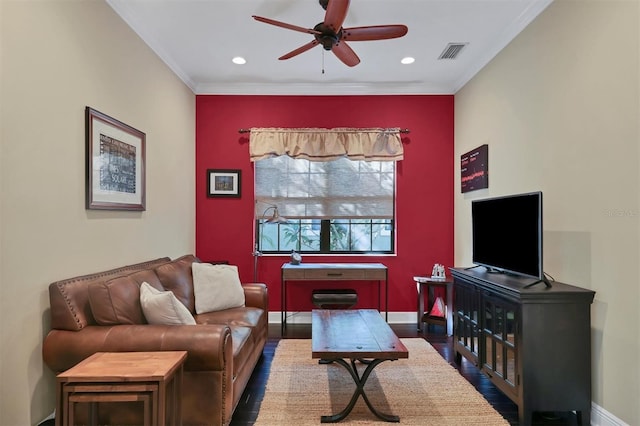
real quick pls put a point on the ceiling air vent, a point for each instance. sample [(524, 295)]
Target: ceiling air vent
[(452, 50)]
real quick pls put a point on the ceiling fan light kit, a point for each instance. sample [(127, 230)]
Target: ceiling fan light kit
[(330, 34)]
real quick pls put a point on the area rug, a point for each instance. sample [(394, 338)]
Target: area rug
[(423, 390)]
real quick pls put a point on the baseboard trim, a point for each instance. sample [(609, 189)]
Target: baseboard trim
[(601, 417)]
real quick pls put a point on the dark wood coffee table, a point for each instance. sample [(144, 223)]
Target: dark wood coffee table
[(354, 335)]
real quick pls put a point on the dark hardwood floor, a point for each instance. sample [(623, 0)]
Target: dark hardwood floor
[(247, 410)]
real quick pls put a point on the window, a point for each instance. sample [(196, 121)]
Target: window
[(335, 207)]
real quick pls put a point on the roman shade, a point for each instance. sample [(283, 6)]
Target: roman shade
[(338, 189)]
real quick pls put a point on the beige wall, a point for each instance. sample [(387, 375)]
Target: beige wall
[(58, 57), (559, 110)]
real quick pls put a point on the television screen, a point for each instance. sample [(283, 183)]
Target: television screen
[(507, 234)]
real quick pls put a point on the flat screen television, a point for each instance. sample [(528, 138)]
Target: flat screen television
[(507, 234)]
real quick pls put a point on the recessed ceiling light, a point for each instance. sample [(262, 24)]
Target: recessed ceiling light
[(239, 60), (408, 60)]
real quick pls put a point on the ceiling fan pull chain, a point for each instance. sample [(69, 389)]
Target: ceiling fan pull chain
[(323, 62)]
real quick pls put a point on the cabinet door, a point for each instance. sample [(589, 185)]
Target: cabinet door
[(499, 350), (466, 326)]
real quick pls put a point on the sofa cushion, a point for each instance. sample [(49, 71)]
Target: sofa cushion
[(243, 345), (69, 298), (216, 287), (147, 276), (163, 307), (243, 316), (116, 301), (176, 276)]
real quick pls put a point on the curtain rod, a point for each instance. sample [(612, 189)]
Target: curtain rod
[(249, 131)]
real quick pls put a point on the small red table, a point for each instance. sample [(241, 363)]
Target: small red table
[(431, 284)]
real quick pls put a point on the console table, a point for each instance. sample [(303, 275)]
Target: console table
[(333, 272)]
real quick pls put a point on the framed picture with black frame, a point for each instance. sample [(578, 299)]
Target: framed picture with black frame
[(223, 183)]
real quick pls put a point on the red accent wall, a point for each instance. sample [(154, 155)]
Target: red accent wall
[(424, 210)]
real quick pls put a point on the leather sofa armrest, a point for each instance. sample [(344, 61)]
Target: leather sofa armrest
[(256, 295), (209, 346)]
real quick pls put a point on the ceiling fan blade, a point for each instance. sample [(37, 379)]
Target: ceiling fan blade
[(299, 50), (285, 25), (336, 13), (345, 54), (374, 32)]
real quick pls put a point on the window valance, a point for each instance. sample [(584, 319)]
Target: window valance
[(317, 144)]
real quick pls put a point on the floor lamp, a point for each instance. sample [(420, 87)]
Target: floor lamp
[(275, 218)]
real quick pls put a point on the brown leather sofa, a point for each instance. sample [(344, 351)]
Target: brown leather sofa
[(93, 313)]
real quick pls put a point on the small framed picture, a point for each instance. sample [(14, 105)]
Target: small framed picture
[(223, 183), (115, 164)]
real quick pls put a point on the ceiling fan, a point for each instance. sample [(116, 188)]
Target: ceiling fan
[(330, 34)]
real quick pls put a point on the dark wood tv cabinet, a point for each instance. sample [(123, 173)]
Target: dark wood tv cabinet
[(533, 343)]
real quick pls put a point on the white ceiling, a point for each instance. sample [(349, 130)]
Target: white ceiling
[(198, 38)]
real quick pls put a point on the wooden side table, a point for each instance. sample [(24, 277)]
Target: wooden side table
[(430, 284), (153, 378)]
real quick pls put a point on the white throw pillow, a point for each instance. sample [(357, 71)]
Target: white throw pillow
[(163, 307), (216, 287)]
